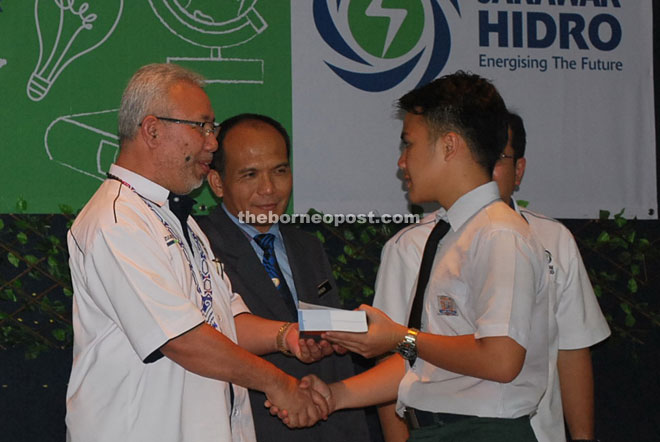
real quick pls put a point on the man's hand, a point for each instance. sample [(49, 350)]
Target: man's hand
[(383, 335), (297, 405), (308, 350), (313, 382)]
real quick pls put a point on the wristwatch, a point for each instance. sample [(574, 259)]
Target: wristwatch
[(408, 346)]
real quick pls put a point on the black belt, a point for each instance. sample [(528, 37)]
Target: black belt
[(421, 418)]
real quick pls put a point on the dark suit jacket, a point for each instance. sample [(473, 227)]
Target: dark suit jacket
[(310, 269)]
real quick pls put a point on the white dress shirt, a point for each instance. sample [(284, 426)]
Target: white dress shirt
[(137, 284), (489, 279), (580, 321), (576, 310)]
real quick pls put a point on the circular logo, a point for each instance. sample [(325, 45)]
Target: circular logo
[(210, 23), (379, 46)]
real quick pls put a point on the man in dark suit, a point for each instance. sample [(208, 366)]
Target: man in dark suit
[(272, 265)]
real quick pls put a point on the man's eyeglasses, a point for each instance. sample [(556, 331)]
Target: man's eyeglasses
[(207, 127), (503, 156)]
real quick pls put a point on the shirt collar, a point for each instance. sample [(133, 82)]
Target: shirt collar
[(469, 204), (515, 207), (249, 229), (155, 193)]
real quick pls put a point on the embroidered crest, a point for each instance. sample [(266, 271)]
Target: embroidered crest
[(447, 306)]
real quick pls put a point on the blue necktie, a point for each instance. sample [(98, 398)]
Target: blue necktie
[(267, 243)]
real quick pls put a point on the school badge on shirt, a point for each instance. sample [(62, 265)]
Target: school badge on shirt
[(447, 306)]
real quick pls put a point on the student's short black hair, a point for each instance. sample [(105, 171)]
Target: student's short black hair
[(518, 135), (468, 105)]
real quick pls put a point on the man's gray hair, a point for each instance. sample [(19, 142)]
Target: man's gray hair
[(147, 94)]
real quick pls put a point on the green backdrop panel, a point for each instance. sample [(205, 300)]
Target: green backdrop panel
[(64, 64)]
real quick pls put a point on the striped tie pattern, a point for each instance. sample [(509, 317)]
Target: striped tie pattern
[(267, 243)]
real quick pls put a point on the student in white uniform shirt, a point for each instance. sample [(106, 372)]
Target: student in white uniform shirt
[(581, 323), (155, 353), (482, 353)]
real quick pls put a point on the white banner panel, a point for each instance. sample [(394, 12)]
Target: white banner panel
[(579, 72)]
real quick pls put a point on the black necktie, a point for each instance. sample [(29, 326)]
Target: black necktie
[(267, 243), (440, 229), (181, 206)]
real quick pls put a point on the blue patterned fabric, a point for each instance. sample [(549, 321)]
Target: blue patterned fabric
[(266, 242)]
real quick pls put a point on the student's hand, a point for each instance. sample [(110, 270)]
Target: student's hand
[(315, 383), (297, 406), (382, 336), (308, 350)]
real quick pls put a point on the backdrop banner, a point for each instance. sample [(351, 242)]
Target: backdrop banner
[(65, 63), (579, 72)]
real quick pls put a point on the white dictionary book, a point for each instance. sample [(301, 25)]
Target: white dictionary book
[(319, 318)]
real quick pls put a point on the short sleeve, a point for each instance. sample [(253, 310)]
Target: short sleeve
[(579, 317), (505, 284)]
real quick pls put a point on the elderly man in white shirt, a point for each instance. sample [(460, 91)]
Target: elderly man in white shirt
[(155, 338)]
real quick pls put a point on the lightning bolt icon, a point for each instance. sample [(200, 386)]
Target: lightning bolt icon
[(396, 16)]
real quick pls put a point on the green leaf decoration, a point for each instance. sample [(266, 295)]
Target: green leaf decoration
[(603, 237), (9, 295), (22, 237), (620, 221), (59, 334), (21, 205), (13, 260), (65, 209), (598, 291)]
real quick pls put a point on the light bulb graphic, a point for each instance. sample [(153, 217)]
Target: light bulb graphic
[(67, 31)]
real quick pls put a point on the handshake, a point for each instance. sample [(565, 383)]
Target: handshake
[(303, 403)]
